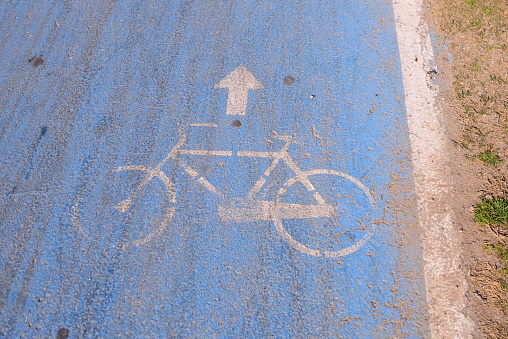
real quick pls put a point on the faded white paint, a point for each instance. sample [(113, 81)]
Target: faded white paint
[(279, 216), (446, 285), (203, 125), (239, 82), (206, 184), (126, 204), (205, 153), (250, 208), (247, 211)]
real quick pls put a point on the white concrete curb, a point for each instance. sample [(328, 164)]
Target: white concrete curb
[(444, 277)]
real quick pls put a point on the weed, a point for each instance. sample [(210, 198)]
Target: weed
[(492, 211), (498, 79), (502, 253), (489, 157), (475, 129), (470, 112), (476, 22), (460, 144), (463, 93), (503, 305), (472, 3), (503, 284), (475, 67), (487, 10), (485, 98)]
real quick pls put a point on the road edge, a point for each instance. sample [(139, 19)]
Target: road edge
[(445, 280)]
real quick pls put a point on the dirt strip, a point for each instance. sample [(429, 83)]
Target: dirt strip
[(473, 74)]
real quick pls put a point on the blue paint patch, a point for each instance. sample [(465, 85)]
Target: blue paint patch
[(108, 239)]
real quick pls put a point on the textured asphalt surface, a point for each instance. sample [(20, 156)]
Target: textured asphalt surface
[(205, 169)]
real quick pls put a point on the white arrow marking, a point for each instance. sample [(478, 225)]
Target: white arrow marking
[(238, 82)]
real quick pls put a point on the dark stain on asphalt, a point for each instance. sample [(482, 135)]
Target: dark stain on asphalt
[(289, 80), (63, 333), (44, 129), (36, 61), (236, 123), (33, 150), (102, 127), (32, 153)]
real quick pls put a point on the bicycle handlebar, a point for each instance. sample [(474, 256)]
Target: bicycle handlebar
[(286, 138)]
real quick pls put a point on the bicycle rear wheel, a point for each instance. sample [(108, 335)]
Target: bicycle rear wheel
[(343, 230), (129, 206)]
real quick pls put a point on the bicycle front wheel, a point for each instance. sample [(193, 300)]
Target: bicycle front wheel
[(129, 206), (339, 220)]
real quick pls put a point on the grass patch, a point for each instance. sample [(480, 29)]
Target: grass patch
[(489, 157), (502, 253), (492, 211)]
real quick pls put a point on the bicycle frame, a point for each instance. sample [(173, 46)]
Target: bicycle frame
[(251, 209)]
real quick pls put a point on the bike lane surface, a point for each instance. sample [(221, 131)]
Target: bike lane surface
[(94, 97)]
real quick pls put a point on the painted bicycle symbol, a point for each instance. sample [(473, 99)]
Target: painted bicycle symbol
[(335, 220), (250, 208)]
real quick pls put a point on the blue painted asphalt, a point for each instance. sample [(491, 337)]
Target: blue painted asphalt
[(93, 97)]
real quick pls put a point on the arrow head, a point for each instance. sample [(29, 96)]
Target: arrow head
[(239, 79)]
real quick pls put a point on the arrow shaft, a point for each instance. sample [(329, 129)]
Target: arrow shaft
[(237, 101)]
